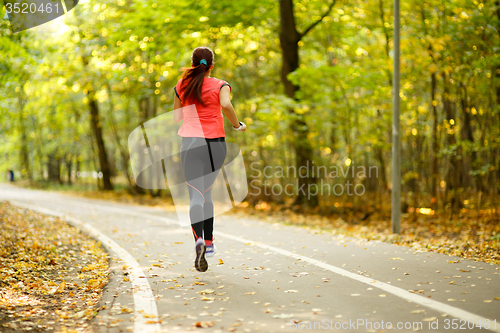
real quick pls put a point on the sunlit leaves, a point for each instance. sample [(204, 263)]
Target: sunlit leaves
[(45, 262)]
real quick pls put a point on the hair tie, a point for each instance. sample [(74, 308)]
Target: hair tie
[(203, 61)]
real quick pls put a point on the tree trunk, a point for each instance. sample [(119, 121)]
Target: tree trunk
[(380, 158), (124, 154), (147, 109), (466, 135), (452, 179), (434, 115), (497, 72), (435, 142), (289, 39), (497, 75), (69, 167), (24, 160), (95, 123), (387, 40), (54, 167), (93, 161)]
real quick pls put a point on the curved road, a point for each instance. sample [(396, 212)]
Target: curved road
[(270, 277)]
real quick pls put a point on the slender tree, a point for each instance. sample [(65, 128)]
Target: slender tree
[(289, 41)]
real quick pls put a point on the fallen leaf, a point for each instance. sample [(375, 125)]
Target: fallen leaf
[(205, 324), (207, 292), (208, 299)]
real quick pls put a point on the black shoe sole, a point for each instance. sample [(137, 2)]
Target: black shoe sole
[(200, 262)]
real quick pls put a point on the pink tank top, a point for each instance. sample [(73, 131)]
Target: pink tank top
[(203, 121)]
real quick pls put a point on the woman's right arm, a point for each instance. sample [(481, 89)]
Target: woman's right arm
[(227, 107)]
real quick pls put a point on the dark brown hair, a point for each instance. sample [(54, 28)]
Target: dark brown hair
[(192, 80)]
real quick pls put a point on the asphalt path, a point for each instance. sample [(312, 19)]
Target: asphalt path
[(269, 277)]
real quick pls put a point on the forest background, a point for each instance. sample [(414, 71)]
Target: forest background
[(311, 79)]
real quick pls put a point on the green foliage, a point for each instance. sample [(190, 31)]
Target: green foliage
[(131, 53)]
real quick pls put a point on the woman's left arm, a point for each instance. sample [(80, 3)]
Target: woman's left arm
[(177, 109)]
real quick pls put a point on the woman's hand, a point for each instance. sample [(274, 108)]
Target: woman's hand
[(242, 127)]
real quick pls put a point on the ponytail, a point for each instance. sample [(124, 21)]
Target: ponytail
[(192, 80)]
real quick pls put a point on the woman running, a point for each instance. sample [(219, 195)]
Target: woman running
[(203, 148)]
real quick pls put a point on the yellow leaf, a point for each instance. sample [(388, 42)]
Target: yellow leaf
[(208, 298), (205, 324), (60, 289), (207, 292)]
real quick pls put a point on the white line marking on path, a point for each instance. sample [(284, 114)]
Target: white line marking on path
[(424, 301), (144, 302), (401, 293)]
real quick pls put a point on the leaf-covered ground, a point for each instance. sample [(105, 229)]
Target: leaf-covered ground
[(51, 274)]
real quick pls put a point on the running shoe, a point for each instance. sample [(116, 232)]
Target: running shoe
[(200, 262), (211, 250)]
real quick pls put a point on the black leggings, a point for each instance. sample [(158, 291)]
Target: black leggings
[(201, 161)]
